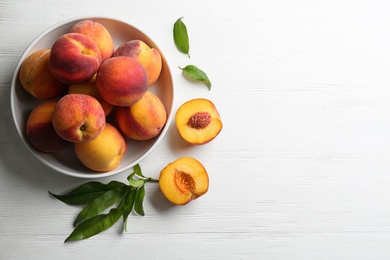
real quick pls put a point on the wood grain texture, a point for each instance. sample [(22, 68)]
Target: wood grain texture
[(300, 169)]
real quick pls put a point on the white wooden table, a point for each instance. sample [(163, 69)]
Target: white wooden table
[(301, 169)]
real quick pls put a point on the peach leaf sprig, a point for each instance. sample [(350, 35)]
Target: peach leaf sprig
[(98, 197)]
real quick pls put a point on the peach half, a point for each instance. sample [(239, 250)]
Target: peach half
[(78, 118), (89, 88), (40, 131), (74, 58), (98, 33), (36, 78), (184, 180), (105, 152), (144, 120), (198, 121), (150, 58), (121, 81)]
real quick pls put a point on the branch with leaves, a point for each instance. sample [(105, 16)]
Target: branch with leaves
[(98, 197)]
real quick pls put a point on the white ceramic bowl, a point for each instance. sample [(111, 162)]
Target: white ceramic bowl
[(66, 161)]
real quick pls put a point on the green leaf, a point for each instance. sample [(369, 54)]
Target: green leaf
[(128, 206), (196, 74), (131, 176), (139, 199), (99, 204), (95, 225), (136, 183), (82, 194), (87, 192), (180, 37), (138, 171), (115, 184)]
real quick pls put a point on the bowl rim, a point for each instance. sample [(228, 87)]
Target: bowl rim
[(36, 153)]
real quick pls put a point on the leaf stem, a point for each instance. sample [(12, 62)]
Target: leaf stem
[(153, 180)]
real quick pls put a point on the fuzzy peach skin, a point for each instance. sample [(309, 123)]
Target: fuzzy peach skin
[(36, 78), (89, 88), (105, 152), (184, 180), (144, 120), (40, 131), (121, 81), (78, 118), (98, 33), (74, 58), (150, 58)]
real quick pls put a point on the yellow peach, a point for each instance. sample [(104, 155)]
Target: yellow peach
[(105, 152), (74, 58), (98, 33), (40, 131), (184, 180), (121, 81), (198, 121), (144, 120), (36, 78), (89, 88), (78, 118), (150, 58)]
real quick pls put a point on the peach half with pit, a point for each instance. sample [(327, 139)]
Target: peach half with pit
[(105, 152), (198, 121), (150, 58), (98, 33), (74, 58), (36, 78), (40, 131), (121, 81), (78, 118), (144, 120), (184, 180), (89, 88)]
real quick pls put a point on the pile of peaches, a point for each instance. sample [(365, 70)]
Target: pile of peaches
[(81, 80)]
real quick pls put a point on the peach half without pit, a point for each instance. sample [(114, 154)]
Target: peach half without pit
[(198, 121), (184, 180)]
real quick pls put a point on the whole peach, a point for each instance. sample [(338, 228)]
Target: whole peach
[(78, 117), (74, 58), (150, 58), (105, 152), (121, 81), (36, 78), (40, 131), (97, 32), (143, 120), (89, 88)]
